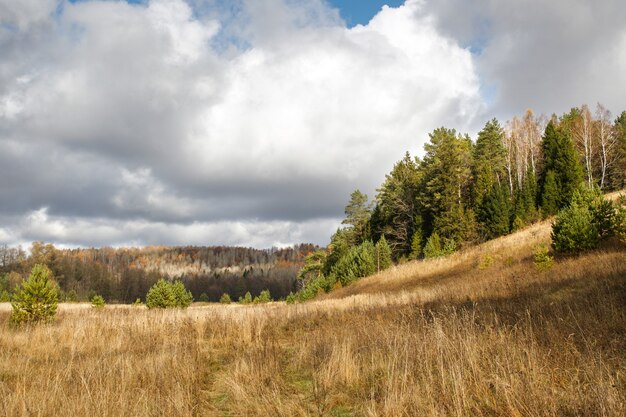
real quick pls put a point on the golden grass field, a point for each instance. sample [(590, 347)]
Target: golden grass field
[(480, 333)]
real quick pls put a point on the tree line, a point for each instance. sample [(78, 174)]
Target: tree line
[(463, 192), (126, 274)]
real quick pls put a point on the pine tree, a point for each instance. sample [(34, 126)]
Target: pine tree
[(224, 299), (574, 230), (550, 195), (165, 294), (489, 161), (561, 158), (445, 193), (496, 211), (619, 169), (396, 210), (358, 213), (383, 254), (416, 245), (35, 300)]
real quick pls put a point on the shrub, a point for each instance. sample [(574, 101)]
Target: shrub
[(435, 248), (620, 220), (204, 298), (291, 298), (574, 231), (35, 300), (246, 299), (485, 261), (137, 303), (166, 294), (581, 225), (263, 297), (225, 299), (97, 301), (542, 258)]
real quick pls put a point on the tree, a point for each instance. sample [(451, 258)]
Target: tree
[(383, 254), (445, 194), (607, 143), (588, 219), (263, 297), (358, 213), (561, 159), (619, 129), (35, 300), (166, 294), (489, 161), (574, 230), (97, 301), (495, 212), (396, 214), (550, 195), (225, 299)]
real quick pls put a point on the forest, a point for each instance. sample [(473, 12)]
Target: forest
[(125, 274), (463, 192)]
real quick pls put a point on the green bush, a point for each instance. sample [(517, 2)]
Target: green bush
[(97, 301), (166, 294), (620, 220), (246, 299), (204, 298), (574, 230), (581, 225), (137, 303), (542, 258), (35, 300), (263, 297), (225, 299), (436, 248)]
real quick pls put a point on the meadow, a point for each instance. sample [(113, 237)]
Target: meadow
[(481, 332)]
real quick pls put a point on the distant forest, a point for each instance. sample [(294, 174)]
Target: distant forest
[(124, 275)]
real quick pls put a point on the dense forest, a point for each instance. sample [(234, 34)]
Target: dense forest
[(126, 274), (463, 192)]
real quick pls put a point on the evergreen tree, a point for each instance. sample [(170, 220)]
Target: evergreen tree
[(574, 229), (358, 213), (416, 245), (446, 186), (619, 181), (224, 299), (396, 212), (489, 161), (383, 254), (166, 294), (496, 211), (338, 248), (35, 300), (550, 195), (560, 158)]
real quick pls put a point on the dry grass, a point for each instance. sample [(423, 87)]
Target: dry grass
[(480, 333)]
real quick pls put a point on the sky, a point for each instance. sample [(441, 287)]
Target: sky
[(249, 122)]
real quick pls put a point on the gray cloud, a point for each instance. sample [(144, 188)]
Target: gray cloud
[(163, 124), (549, 56)]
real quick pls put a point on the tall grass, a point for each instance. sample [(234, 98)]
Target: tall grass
[(456, 336)]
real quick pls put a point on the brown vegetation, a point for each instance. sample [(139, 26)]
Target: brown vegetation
[(482, 332)]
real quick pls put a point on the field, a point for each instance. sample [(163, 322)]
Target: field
[(482, 332)]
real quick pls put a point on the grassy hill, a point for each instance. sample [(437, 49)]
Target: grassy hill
[(482, 332)]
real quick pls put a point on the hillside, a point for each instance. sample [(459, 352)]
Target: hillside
[(125, 274), (482, 332)]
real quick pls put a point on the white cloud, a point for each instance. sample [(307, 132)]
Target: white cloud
[(193, 143)]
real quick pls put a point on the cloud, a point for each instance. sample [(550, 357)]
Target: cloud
[(549, 56), (173, 123)]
